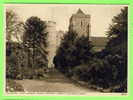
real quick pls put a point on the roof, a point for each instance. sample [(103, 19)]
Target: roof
[(99, 41)]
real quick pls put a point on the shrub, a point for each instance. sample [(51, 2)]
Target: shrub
[(15, 60), (72, 52), (99, 72), (93, 72), (17, 63)]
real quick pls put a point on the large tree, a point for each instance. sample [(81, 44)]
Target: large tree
[(35, 37), (118, 30), (15, 54), (14, 27), (116, 48)]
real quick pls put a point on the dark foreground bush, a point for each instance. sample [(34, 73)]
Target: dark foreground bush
[(103, 73), (95, 72), (121, 87), (18, 63), (73, 51), (16, 60)]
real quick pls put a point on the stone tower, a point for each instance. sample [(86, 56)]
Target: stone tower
[(80, 23), (51, 29)]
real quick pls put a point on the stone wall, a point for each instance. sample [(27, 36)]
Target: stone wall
[(51, 29)]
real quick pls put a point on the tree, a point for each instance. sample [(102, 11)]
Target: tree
[(116, 48), (73, 51), (14, 27), (16, 60), (63, 58), (83, 50), (117, 34), (118, 30), (35, 38), (15, 55)]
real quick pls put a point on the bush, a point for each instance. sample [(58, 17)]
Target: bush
[(94, 73), (17, 63), (15, 60), (121, 66), (122, 87), (72, 52), (105, 73), (98, 72)]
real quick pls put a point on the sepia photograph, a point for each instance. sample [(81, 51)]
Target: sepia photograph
[(66, 49)]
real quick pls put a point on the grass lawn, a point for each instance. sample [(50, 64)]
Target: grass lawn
[(12, 86)]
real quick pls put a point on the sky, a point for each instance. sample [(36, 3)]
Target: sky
[(101, 15)]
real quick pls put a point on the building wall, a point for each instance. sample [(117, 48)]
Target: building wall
[(60, 35), (54, 39)]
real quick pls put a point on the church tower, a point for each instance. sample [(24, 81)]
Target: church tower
[(80, 23)]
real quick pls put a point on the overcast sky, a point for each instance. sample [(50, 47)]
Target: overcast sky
[(101, 15)]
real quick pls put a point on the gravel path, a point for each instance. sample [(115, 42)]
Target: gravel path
[(56, 83)]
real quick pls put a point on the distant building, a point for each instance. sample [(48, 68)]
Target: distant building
[(80, 23)]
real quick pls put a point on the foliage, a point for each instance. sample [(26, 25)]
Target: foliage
[(35, 33), (14, 27), (115, 52), (118, 29), (35, 39), (83, 50), (72, 52), (11, 68), (94, 73), (117, 45), (17, 63), (104, 73), (16, 60), (21, 57), (63, 58), (122, 87)]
